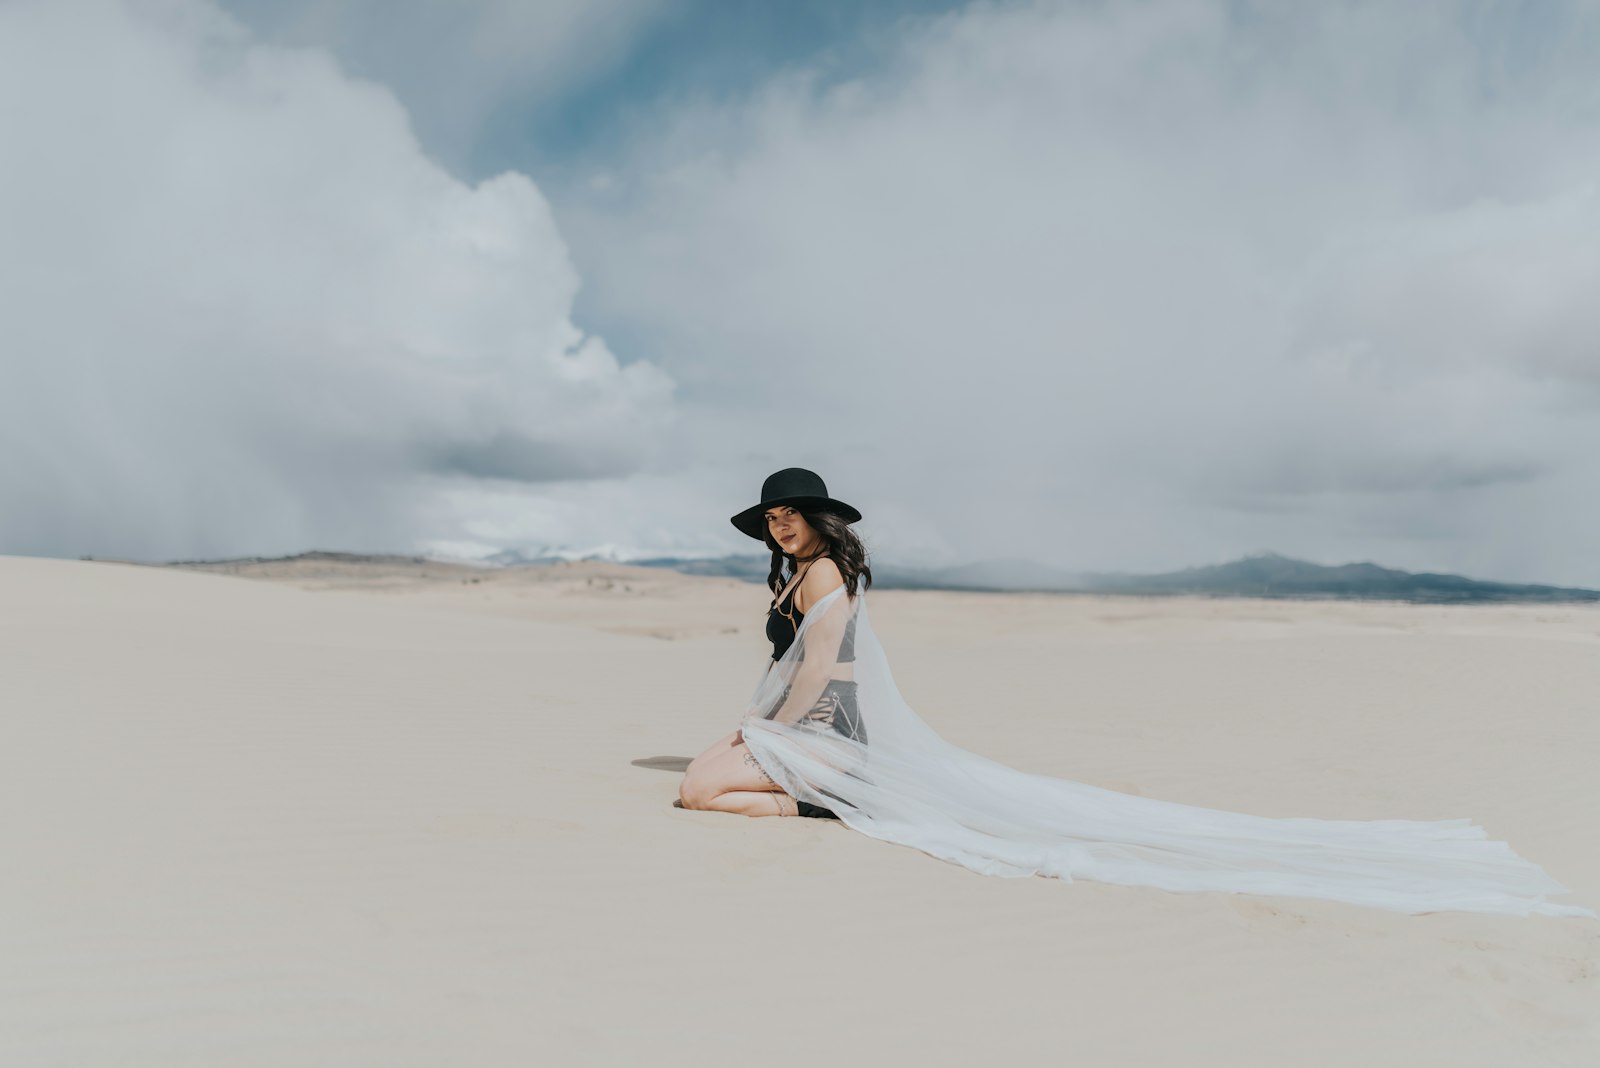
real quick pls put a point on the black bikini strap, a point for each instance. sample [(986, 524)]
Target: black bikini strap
[(798, 578)]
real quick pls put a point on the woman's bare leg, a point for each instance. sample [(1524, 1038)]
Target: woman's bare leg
[(754, 803), (731, 780), (717, 748)]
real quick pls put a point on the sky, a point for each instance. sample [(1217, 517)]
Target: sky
[(1105, 286)]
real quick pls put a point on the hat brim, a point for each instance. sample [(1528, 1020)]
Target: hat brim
[(750, 522)]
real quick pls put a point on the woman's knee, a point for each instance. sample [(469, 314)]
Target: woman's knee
[(697, 788)]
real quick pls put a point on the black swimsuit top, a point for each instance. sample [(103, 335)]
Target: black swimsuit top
[(781, 632)]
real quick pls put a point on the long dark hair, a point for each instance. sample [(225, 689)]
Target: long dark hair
[(838, 541)]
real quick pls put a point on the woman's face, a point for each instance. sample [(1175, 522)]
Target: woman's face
[(791, 531)]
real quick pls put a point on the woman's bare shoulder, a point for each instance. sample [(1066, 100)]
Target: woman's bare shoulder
[(822, 578)]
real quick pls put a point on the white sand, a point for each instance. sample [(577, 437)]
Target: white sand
[(391, 819)]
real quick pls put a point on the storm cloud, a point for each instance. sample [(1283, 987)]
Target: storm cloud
[(244, 312), (1110, 286), (1144, 285)]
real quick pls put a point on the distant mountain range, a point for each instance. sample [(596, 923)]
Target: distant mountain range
[(1259, 575)]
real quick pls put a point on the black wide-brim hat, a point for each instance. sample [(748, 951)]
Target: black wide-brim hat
[(796, 486)]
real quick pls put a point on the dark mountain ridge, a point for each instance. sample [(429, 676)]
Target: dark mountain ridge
[(1259, 575), (1274, 575)]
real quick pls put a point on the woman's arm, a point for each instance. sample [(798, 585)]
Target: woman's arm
[(824, 635)]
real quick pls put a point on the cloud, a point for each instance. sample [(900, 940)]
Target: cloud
[(456, 65), (1112, 286), (1141, 285), (241, 311)]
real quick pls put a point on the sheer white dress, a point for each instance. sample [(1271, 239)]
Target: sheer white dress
[(904, 783)]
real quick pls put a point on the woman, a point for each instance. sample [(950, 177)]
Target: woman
[(808, 531), (803, 749)]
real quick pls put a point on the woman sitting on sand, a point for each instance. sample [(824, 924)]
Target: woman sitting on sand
[(814, 553), (802, 750)]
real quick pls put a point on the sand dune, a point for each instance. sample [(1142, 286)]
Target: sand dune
[(421, 815)]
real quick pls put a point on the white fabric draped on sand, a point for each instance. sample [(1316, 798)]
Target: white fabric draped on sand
[(908, 785)]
